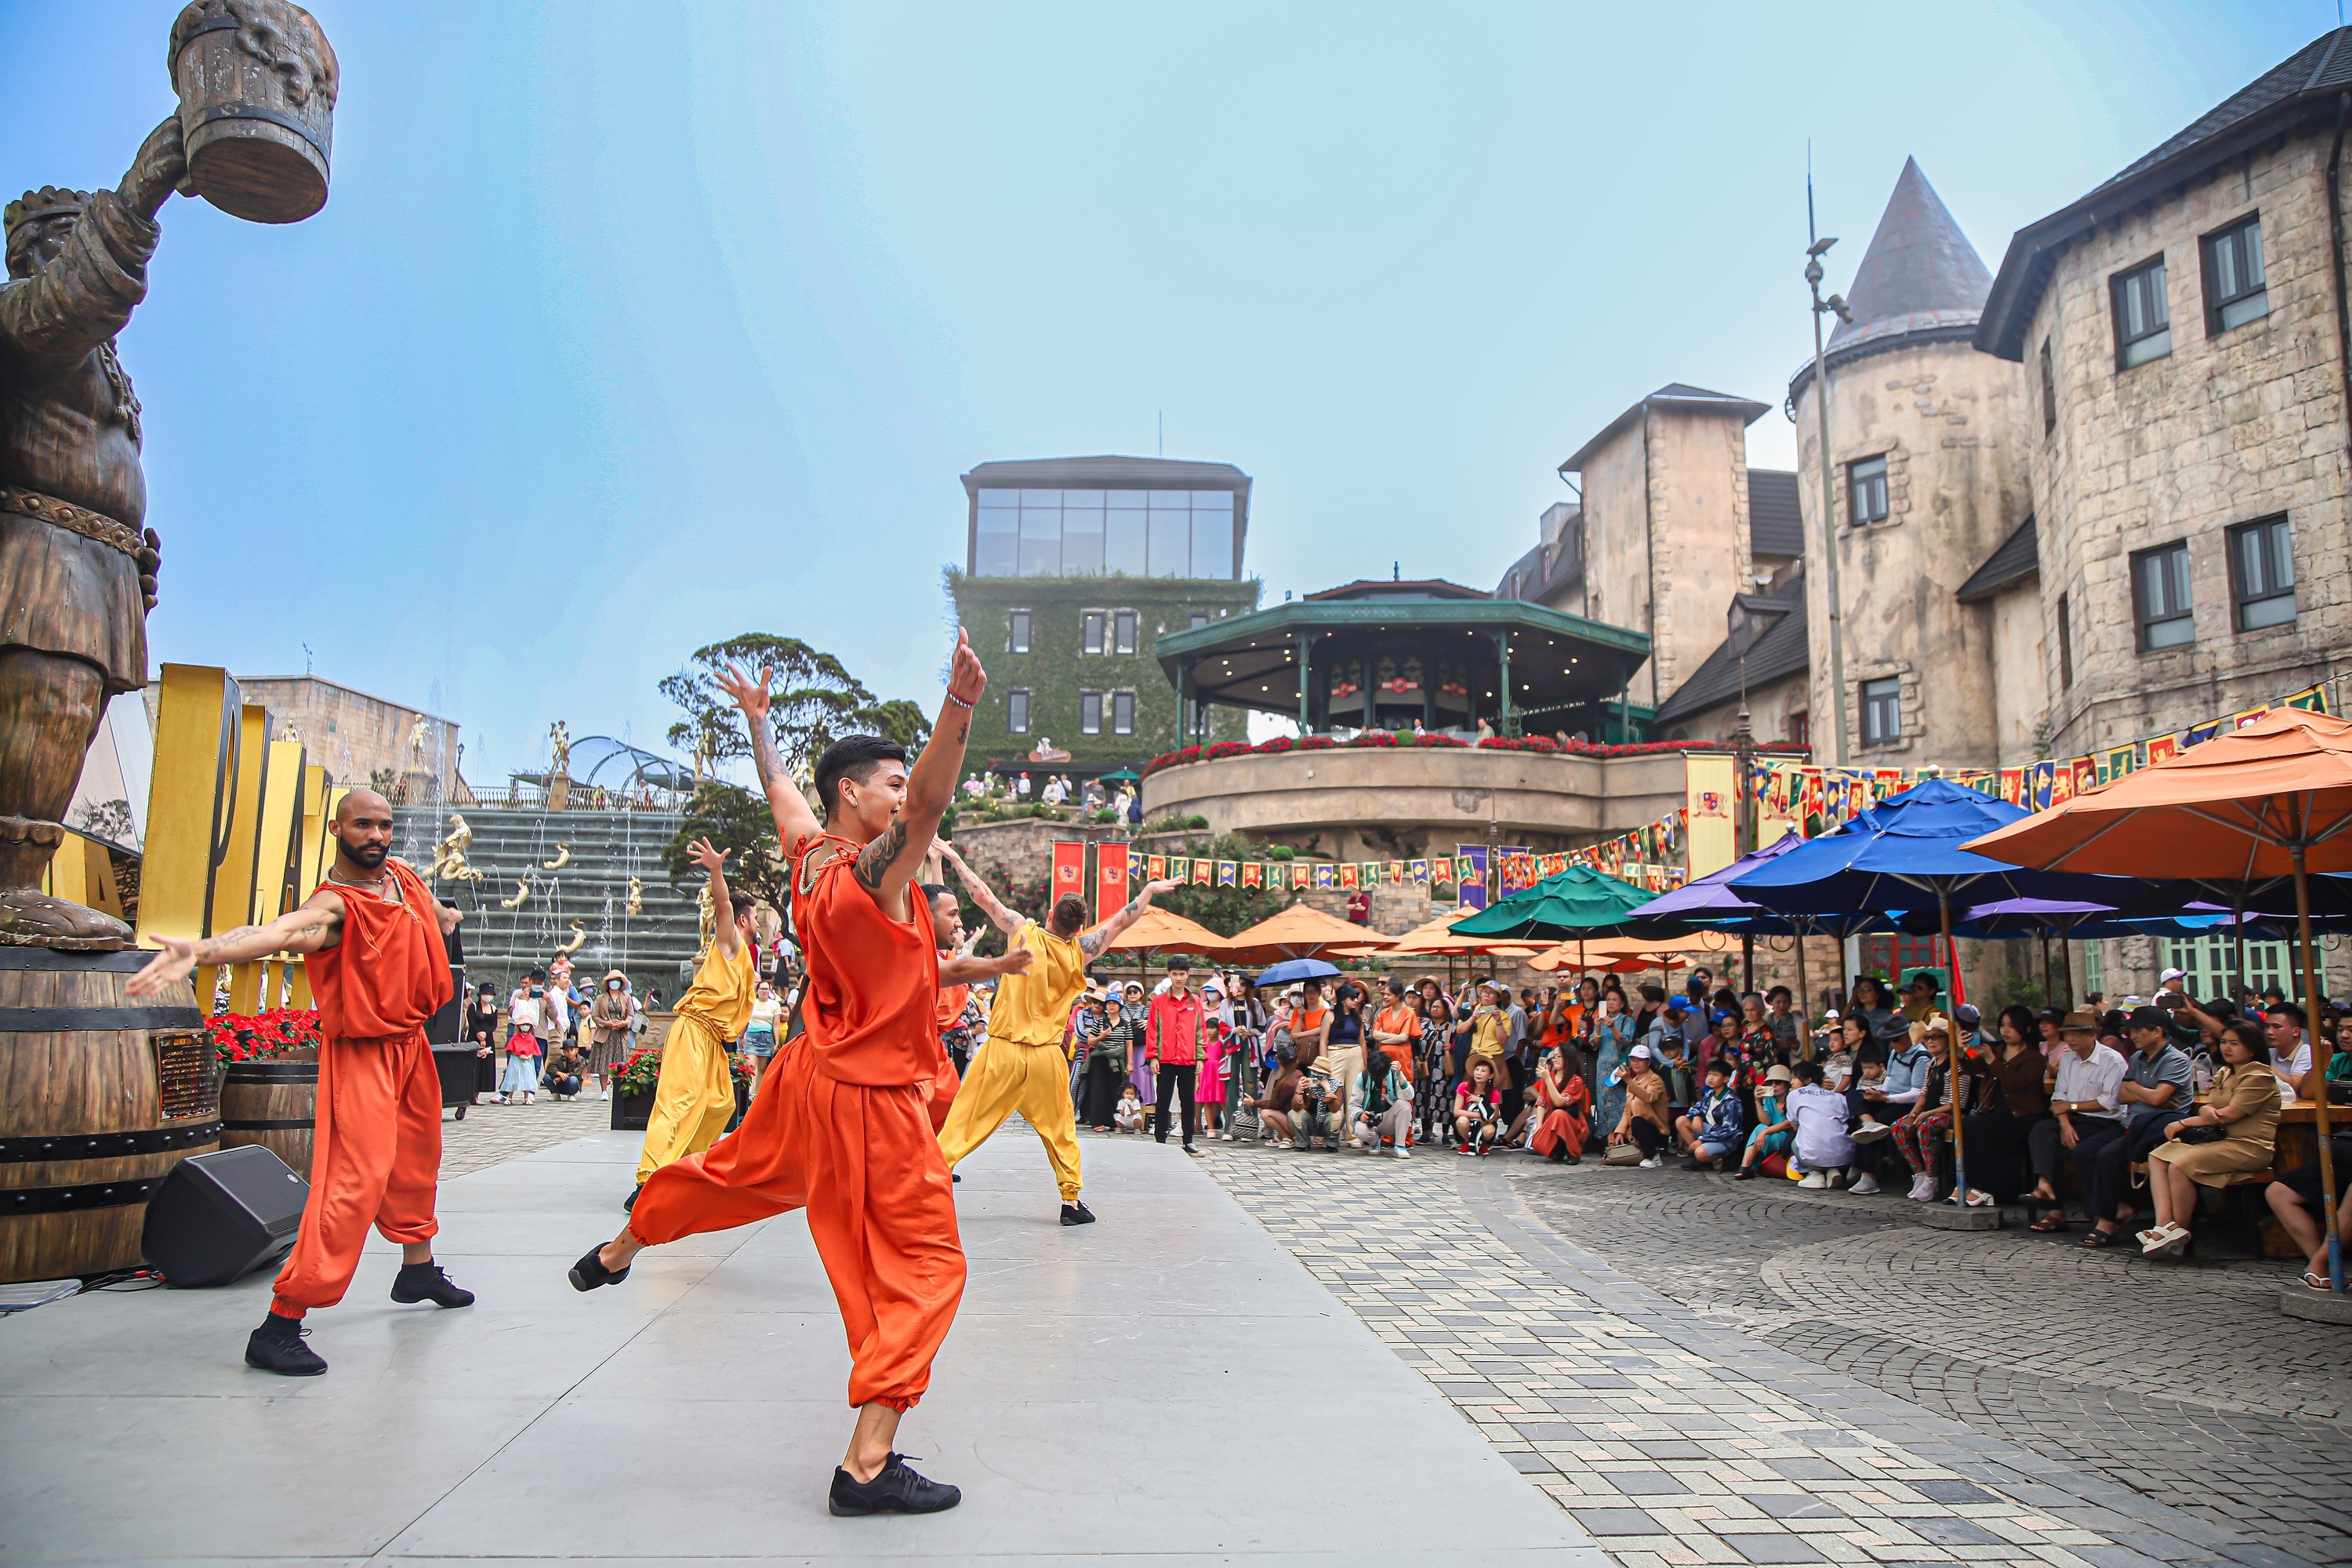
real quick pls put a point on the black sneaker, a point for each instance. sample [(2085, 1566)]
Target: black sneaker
[(590, 1271), (276, 1346), (1194, 1153), (1744, 1173), (1073, 1213), (629, 1203), (895, 1488), (426, 1282)]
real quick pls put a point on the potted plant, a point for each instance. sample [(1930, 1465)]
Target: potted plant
[(632, 1089)]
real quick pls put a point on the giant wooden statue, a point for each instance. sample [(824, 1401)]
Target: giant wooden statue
[(77, 563)]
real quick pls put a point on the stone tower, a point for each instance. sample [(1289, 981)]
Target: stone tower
[(1928, 479)]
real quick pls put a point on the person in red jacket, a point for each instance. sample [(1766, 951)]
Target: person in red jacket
[(1172, 1044)]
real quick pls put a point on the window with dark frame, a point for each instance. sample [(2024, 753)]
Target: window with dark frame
[(2049, 391), (1016, 712), (2234, 290), (1194, 620), (1866, 484), (1122, 712), (1091, 625), (1090, 712), (2261, 574), (2066, 648), (1017, 637), (2143, 315), (1797, 728), (1882, 711), (1123, 631), (2160, 600)]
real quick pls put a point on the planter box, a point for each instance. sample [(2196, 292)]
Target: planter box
[(631, 1112)]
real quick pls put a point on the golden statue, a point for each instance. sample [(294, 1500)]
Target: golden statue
[(563, 857), (579, 938), (449, 855), (522, 891), (636, 897)]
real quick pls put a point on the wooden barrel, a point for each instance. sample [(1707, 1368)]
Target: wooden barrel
[(99, 1098), (256, 83), (274, 1104)]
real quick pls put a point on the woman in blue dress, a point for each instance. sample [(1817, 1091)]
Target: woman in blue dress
[(1613, 1037)]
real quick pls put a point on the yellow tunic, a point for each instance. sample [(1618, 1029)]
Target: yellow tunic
[(695, 1094), (1023, 1067)]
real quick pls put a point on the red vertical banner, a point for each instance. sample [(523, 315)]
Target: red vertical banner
[(1070, 870), (1111, 878)]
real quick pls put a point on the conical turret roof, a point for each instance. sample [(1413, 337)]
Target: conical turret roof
[(1920, 273)]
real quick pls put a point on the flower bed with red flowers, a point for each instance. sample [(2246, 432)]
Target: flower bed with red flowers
[(1387, 740), (279, 1032), (640, 1072)]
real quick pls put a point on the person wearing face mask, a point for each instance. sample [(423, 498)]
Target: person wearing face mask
[(609, 1021)]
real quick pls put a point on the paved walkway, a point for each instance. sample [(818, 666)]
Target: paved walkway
[(1165, 1387), (491, 1133), (1673, 1439)]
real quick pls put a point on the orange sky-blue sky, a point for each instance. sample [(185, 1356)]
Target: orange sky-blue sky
[(628, 327)]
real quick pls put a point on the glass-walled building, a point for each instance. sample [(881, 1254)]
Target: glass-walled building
[(1072, 569)]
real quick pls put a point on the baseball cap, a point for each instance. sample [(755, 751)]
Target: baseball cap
[(1677, 1003), (1643, 1052), (1966, 1016), (1830, 1015), (2145, 1018), (2172, 974), (1723, 1016)]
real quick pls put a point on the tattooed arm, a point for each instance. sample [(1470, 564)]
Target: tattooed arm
[(886, 865), (316, 926), (1103, 936), (1003, 918), (796, 824)]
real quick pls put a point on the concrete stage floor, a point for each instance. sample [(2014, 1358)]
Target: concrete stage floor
[(1168, 1387)]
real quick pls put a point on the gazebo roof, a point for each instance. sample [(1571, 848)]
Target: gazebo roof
[(1250, 660)]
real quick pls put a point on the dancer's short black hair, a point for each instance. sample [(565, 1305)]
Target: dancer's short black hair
[(852, 757)]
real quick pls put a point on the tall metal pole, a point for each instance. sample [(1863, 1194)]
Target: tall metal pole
[(1829, 486)]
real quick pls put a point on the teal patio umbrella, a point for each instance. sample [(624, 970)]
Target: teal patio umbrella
[(1579, 903)]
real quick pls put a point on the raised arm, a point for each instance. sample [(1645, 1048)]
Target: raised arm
[(796, 824), (1094, 942), (317, 924), (991, 906), (722, 909), (963, 968), (886, 865)]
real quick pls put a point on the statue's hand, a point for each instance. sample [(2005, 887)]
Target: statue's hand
[(161, 165)]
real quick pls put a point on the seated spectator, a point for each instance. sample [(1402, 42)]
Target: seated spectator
[(2287, 1032), (2083, 1097), (1867, 1095), (1908, 1061), (2156, 1091), (1717, 1124), (1477, 1108), (1844, 1036), (1775, 1131), (1383, 1105), (1822, 1149), (1675, 1069), (1276, 1107), (1788, 1029), (1322, 1107), (2012, 1097), (1644, 1122), (1919, 1133), (566, 1067), (2294, 1198), (1132, 1115), (2243, 1110), (1564, 1107)]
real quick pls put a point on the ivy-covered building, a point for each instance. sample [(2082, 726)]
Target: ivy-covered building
[(1072, 569)]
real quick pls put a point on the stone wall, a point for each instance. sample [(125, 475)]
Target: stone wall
[(356, 736), (2225, 429), (1947, 421), (2021, 685)]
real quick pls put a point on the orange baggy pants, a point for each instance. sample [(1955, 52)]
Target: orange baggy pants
[(865, 1163), (376, 1159)]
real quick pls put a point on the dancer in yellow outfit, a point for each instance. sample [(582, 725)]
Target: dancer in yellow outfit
[(695, 1094), (1025, 1065)]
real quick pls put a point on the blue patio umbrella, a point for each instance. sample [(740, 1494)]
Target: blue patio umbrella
[(1291, 969), (1906, 851)]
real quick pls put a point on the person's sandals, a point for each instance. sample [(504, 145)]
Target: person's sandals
[(2316, 1280), (2050, 1223), (2095, 1238)]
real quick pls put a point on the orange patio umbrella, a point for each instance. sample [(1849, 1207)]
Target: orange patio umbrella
[(2271, 800), (1156, 930), (1302, 930)]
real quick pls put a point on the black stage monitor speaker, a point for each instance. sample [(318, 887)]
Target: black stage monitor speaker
[(217, 1218)]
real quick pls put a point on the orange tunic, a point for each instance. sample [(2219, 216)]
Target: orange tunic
[(843, 1124), (376, 1152)]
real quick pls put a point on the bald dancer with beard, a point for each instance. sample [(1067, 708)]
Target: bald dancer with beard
[(380, 969)]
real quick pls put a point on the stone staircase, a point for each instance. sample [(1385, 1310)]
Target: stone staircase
[(591, 887)]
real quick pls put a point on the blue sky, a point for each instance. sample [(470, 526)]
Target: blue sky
[(627, 328)]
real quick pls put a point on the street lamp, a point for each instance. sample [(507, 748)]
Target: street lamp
[(1813, 253), (1750, 616)]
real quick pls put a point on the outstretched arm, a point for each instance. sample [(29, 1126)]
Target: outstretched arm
[(963, 968), (796, 824), (1094, 942), (991, 906), (886, 866), (317, 924), (722, 908)]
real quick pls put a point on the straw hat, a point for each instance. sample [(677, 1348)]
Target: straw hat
[(1933, 1024)]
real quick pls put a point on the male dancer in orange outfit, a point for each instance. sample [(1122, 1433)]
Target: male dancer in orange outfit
[(379, 970), (842, 1123)]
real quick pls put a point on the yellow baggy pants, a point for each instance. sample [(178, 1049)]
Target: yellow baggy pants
[(693, 1099), (1032, 1080)]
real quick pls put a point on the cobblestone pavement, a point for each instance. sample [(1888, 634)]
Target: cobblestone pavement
[(1975, 1327), (1673, 1437), (493, 1132)]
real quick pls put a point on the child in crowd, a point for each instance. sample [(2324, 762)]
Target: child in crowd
[(1822, 1149), (1715, 1125), (1131, 1113), (1774, 1131), (1477, 1108)]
